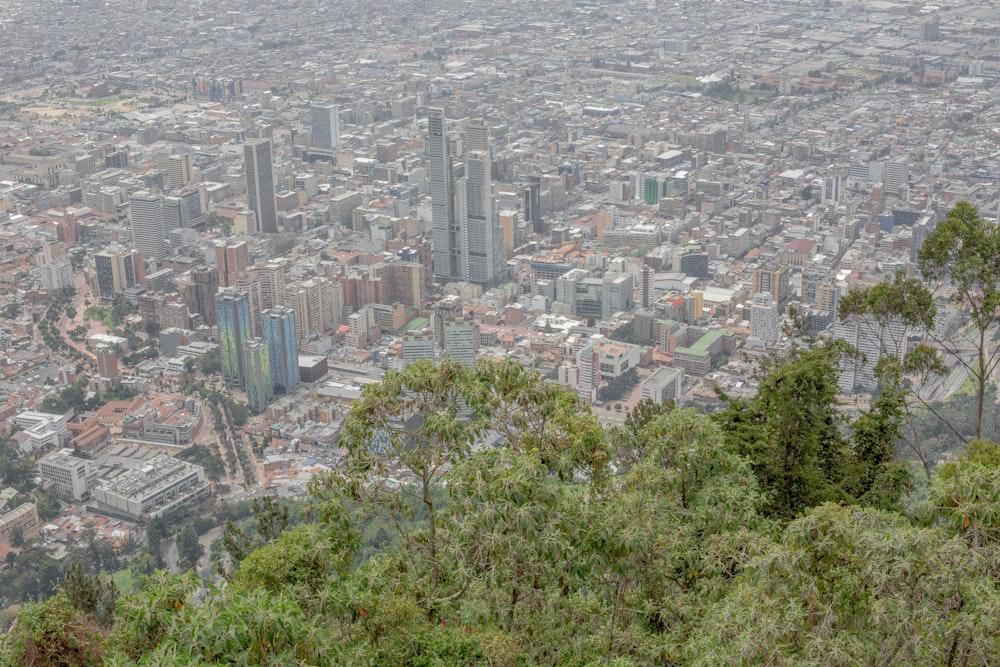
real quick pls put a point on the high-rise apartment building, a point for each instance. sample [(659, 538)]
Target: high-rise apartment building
[(231, 259), (260, 184), (325, 119), (317, 303), (257, 382), (764, 321), (279, 334), (270, 278), (149, 234), (235, 330), (203, 283), (774, 281), (179, 170)]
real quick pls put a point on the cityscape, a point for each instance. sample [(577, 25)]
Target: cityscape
[(220, 223)]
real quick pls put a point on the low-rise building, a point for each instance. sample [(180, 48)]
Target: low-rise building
[(158, 488)]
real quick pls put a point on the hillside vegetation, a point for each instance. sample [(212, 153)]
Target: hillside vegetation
[(770, 533)]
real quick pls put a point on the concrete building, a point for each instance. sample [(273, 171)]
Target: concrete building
[(158, 488), (23, 518), (666, 383), (325, 132), (149, 233), (447, 233), (418, 346), (71, 477), (764, 320), (460, 341), (57, 274)]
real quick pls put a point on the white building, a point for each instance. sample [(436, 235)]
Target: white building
[(157, 488), (71, 477), (764, 320), (57, 274), (664, 384)]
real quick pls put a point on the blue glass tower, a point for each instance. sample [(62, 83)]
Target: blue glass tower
[(233, 313), (279, 334)]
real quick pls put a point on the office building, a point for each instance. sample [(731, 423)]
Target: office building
[(157, 489), (149, 234), (70, 477), (282, 341), (260, 184), (483, 246), (325, 119), (870, 341), (117, 270), (665, 384), (446, 232), (774, 281), (257, 374), (232, 309), (418, 345), (107, 364), (179, 170), (460, 341)]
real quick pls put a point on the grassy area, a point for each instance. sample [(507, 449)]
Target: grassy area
[(100, 314), (686, 79), (96, 102), (970, 387), (124, 580)]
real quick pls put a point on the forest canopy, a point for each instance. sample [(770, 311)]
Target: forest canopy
[(484, 517)]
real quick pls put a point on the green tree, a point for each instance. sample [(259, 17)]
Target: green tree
[(416, 422), (790, 432), (188, 548), (964, 249)]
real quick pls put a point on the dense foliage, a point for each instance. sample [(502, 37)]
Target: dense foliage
[(513, 529)]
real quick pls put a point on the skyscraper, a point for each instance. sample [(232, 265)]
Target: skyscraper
[(257, 379), (233, 311), (149, 234), (203, 284), (446, 229), (231, 259), (483, 248), (325, 119), (279, 333), (260, 184)]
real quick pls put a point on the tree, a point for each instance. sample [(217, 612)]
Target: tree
[(964, 249), (789, 430), (415, 423), (188, 548), (893, 310), (853, 586)]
